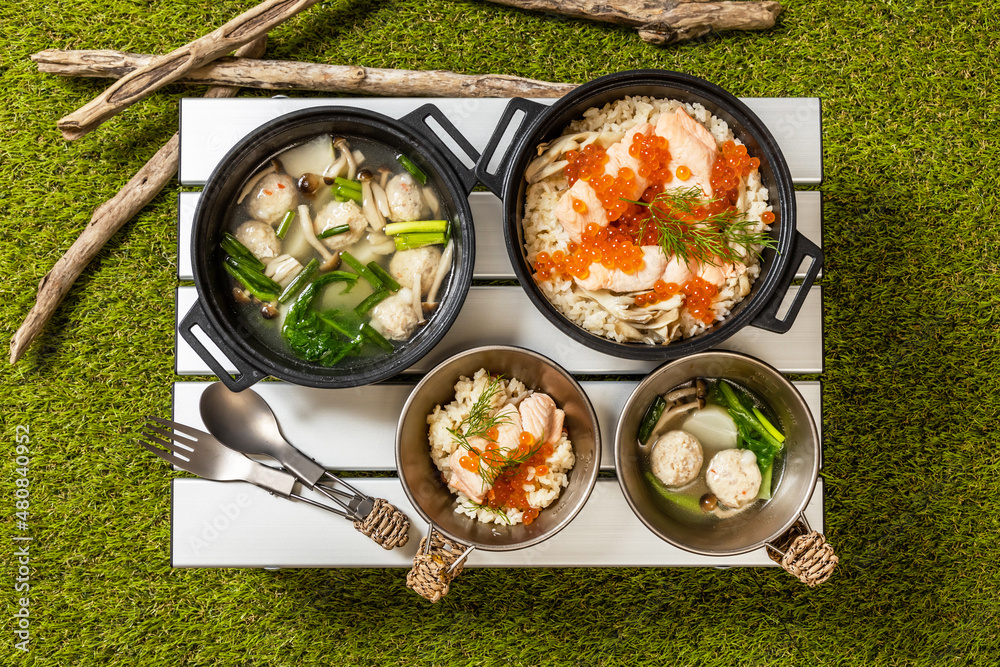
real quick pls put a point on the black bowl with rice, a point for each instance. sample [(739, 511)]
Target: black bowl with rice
[(611, 316)]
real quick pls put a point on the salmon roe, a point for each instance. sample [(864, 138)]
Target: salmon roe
[(699, 293), (619, 245), (509, 486)]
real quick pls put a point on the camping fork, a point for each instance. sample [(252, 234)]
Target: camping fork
[(202, 454)]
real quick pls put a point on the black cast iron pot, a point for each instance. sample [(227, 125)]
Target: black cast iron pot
[(214, 312), (542, 123)]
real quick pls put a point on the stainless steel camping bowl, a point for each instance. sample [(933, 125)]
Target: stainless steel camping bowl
[(761, 524), (423, 482)]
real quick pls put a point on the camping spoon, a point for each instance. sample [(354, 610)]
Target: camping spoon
[(243, 421)]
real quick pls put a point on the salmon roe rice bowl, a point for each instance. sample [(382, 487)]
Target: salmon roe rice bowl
[(646, 220), (502, 448)]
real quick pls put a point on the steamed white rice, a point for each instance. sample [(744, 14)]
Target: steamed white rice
[(542, 232), (512, 391)]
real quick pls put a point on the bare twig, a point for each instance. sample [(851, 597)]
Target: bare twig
[(108, 218), (290, 75), (162, 70), (663, 21)]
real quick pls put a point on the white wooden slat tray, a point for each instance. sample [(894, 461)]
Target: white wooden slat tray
[(237, 525), (800, 350), (346, 429), (210, 127), (492, 261)]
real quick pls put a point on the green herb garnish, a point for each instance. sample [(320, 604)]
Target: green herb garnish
[(687, 229), (480, 419)]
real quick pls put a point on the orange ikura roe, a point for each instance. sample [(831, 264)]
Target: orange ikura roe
[(619, 245), (508, 488)]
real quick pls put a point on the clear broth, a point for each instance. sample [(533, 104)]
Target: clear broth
[(312, 156), (682, 502)]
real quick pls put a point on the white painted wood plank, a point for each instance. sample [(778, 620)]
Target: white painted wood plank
[(355, 429), (800, 350), (209, 128), (492, 262), (238, 525)]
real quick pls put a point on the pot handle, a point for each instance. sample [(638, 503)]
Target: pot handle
[(494, 181), (417, 120), (246, 374), (768, 318), (437, 563), (803, 553)]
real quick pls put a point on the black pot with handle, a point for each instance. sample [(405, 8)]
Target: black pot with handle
[(215, 314), (538, 123)]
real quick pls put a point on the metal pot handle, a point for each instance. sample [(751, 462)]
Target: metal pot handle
[(803, 553), (767, 318), (437, 563), (417, 120), (246, 374), (494, 181)]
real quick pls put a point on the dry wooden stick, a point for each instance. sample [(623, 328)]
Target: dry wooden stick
[(663, 21), (108, 218), (162, 70), (290, 75)]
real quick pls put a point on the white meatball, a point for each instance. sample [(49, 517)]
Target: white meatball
[(260, 239), (394, 317), (734, 478), (676, 458), (406, 202), (338, 213), (272, 197), (405, 264)]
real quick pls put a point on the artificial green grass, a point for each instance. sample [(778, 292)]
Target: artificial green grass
[(911, 396)]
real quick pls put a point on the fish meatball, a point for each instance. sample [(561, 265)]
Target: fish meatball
[(406, 202), (406, 264), (338, 213), (733, 476), (676, 458), (260, 239), (272, 197), (394, 317)]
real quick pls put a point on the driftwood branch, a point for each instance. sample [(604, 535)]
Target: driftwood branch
[(108, 218), (663, 21), (290, 75), (162, 70)]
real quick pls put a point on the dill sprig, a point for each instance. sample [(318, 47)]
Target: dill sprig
[(481, 418), (499, 511), (491, 466), (687, 230)]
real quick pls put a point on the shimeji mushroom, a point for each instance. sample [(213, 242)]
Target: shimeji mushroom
[(368, 202), (444, 265), (546, 163), (345, 151), (681, 401), (330, 260)]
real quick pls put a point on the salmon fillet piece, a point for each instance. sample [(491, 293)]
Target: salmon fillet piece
[(541, 418), (618, 157), (465, 481), (616, 280), (692, 145), (573, 222), (509, 433)]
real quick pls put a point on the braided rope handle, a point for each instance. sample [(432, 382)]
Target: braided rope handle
[(431, 575), (807, 555), (385, 525)]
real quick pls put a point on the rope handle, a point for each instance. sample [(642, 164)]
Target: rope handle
[(804, 553), (386, 525), (435, 566)]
